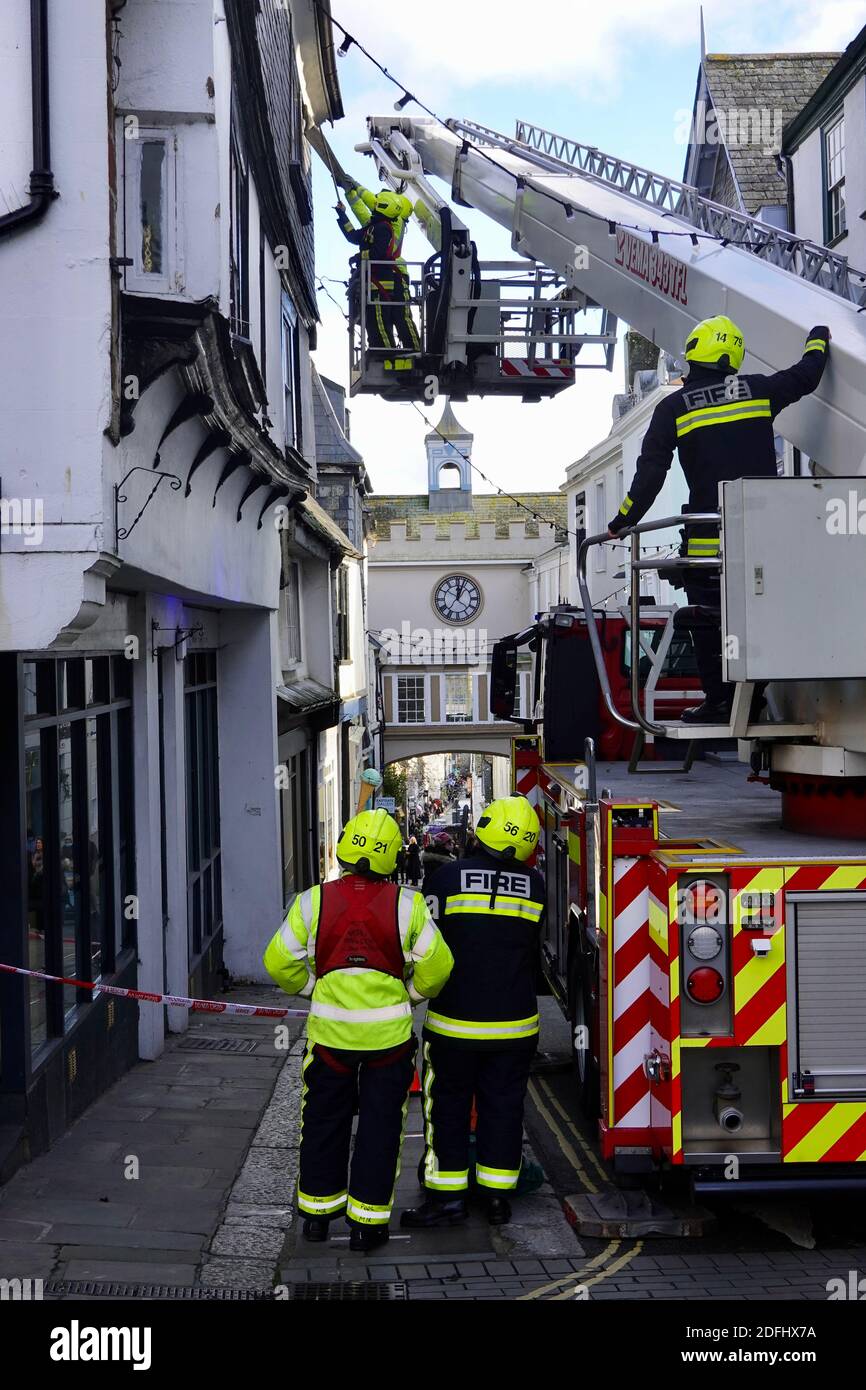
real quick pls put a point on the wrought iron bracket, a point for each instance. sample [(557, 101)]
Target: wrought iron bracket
[(181, 635), (122, 533)]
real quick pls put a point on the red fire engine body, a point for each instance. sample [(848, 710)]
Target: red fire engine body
[(714, 1016)]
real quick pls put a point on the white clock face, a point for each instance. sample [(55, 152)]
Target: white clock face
[(457, 598)]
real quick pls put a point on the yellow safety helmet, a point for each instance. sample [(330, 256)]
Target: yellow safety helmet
[(508, 828), (716, 342), (392, 205), (369, 844)]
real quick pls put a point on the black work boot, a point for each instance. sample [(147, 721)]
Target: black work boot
[(498, 1209), (444, 1210), (710, 712), (366, 1238), (316, 1228)]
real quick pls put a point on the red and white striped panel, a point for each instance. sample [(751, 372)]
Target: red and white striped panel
[(529, 785), (521, 366), (632, 995)]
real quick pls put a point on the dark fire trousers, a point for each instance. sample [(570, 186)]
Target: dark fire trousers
[(335, 1083), (497, 1079)]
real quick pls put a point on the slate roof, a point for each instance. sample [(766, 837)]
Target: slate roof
[(550, 506), (769, 83)]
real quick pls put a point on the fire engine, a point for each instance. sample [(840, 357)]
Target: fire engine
[(706, 923)]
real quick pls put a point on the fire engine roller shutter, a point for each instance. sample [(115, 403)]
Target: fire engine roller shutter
[(571, 696), (830, 991)]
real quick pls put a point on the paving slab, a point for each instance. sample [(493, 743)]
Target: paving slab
[(129, 1271)]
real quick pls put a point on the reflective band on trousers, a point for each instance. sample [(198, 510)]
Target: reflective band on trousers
[(481, 1031), (503, 907), (496, 1177), (450, 1182), (725, 414), (367, 1214), (384, 1015), (321, 1206)]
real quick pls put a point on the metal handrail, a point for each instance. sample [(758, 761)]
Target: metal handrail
[(557, 153), (639, 723)]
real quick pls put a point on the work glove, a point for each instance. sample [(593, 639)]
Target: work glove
[(822, 331)]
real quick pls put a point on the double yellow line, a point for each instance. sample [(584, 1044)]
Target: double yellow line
[(582, 1159)]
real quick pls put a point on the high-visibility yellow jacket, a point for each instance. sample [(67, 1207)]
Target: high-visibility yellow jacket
[(359, 1009), (362, 202)]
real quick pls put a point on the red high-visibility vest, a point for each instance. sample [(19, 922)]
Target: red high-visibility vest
[(358, 927)]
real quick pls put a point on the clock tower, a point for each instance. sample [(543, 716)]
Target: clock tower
[(449, 474)]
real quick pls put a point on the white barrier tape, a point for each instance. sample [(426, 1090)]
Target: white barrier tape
[(206, 1006)]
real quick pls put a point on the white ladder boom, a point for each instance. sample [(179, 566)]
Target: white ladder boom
[(605, 226)]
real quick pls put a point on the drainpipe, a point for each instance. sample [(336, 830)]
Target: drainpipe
[(789, 175), (41, 190)]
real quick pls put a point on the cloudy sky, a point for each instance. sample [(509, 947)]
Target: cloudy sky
[(619, 74)]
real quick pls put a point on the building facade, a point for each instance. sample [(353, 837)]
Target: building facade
[(168, 580), (825, 152), (449, 574)]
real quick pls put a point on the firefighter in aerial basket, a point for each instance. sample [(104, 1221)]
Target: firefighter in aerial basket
[(363, 950), (383, 218), (721, 425), (480, 1035)]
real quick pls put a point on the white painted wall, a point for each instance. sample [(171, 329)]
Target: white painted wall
[(808, 181), (16, 143), (55, 317), (249, 802), (353, 673)]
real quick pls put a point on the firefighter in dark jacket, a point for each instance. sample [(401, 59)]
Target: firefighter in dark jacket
[(721, 425), (383, 218), (480, 1037)]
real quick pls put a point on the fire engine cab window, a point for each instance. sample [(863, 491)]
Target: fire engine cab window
[(680, 660)]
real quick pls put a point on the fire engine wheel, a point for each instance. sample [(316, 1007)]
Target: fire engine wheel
[(582, 1031)]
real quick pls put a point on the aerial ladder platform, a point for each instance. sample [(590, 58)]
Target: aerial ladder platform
[(598, 233)]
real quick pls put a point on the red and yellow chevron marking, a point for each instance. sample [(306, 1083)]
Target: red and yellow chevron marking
[(812, 1131), (831, 878), (824, 1132), (759, 983)]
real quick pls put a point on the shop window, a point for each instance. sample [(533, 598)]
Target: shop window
[(78, 851)]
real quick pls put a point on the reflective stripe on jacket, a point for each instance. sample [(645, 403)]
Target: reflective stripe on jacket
[(360, 1008), (721, 426), (490, 912)]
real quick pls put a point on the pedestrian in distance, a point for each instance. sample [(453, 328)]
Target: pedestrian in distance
[(413, 861), (442, 850), (480, 1037), (363, 951)]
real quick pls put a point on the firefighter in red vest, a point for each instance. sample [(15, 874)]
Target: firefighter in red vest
[(363, 950)]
